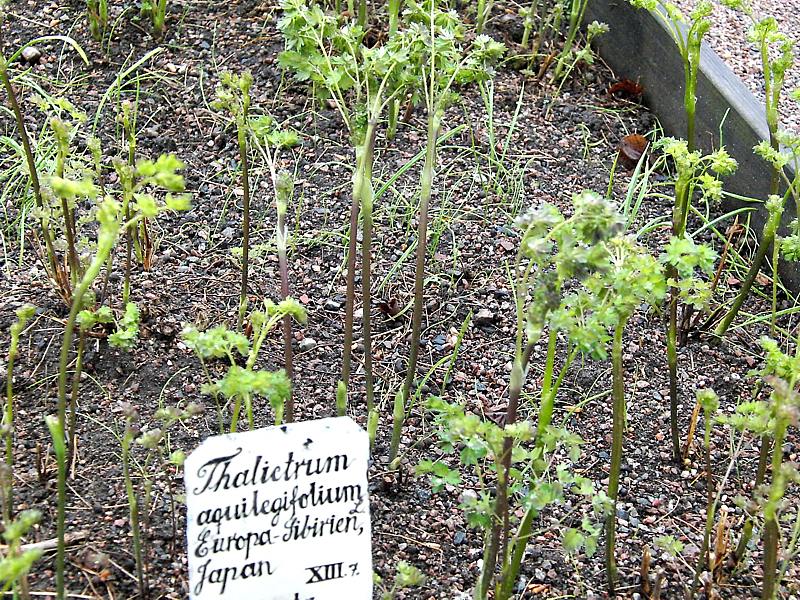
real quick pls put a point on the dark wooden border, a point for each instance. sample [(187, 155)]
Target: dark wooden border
[(639, 47)]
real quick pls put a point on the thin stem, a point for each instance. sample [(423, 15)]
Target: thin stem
[(547, 400), (241, 132), (702, 558), (8, 421), (767, 238), (771, 526), (133, 511), (426, 186), (618, 430), (283, 266), (73, 401), (672, 365), (761, 471), (367, 199), (33, 173), (500, 514), (511, 572)]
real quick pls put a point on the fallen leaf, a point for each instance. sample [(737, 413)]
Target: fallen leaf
[(631, 148), (626, 88), (390, 307)]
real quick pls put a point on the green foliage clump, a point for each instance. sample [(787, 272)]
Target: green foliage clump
[(240, 384)]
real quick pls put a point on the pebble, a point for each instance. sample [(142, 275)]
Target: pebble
[(32, 55), (332, 305), (484, 317), (307, 344)]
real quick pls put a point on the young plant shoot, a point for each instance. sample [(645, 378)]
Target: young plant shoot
[(97, 11), (688, 36), (360, 81), (768, 421), (233, 97), (553, 251), (709, 402), (24, 314), (633, 278), (270, 139), (694, 172), (774, 207), (240, 384), (434, 42)]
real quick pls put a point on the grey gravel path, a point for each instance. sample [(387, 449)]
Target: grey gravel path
[(728, 38)]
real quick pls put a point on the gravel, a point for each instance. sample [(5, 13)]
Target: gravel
[(728, 38)]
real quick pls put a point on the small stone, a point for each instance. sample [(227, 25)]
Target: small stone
[(459, 538), (484, 317), (332, 305), (31, 55), (467, 496), (307, 344)]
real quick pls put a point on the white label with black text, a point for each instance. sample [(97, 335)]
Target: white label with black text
[(281, 513)]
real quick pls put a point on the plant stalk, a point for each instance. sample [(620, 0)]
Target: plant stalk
[(426, 187), (283, 266), (241, 133), (767, 238), (55, 270), (618, 430)]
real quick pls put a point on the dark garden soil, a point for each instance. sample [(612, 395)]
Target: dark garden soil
[(557, 147)]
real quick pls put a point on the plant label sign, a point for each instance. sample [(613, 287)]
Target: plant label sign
[(281, 513)]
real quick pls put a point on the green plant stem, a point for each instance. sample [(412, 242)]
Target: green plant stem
[(767, 238), (159, 15), (577, 8), (771, 535), (690, 102), (367, 198), (133, 511), (57, 433), (69, 233), (359, 186), (426, 187), (546, 406), (482, 12), (672, 364), (679, 215), (126, 286), (283, 266), (398, 417), (362, 13), (774, 308), (702, 558), (103, 251), (618, 430), (500, 513), (73, 401), (241, 132), (761, 472), (512, 567), (771, 525), (393, 110), (394, 16), (69, 220), (34, 176), (8, 421)]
